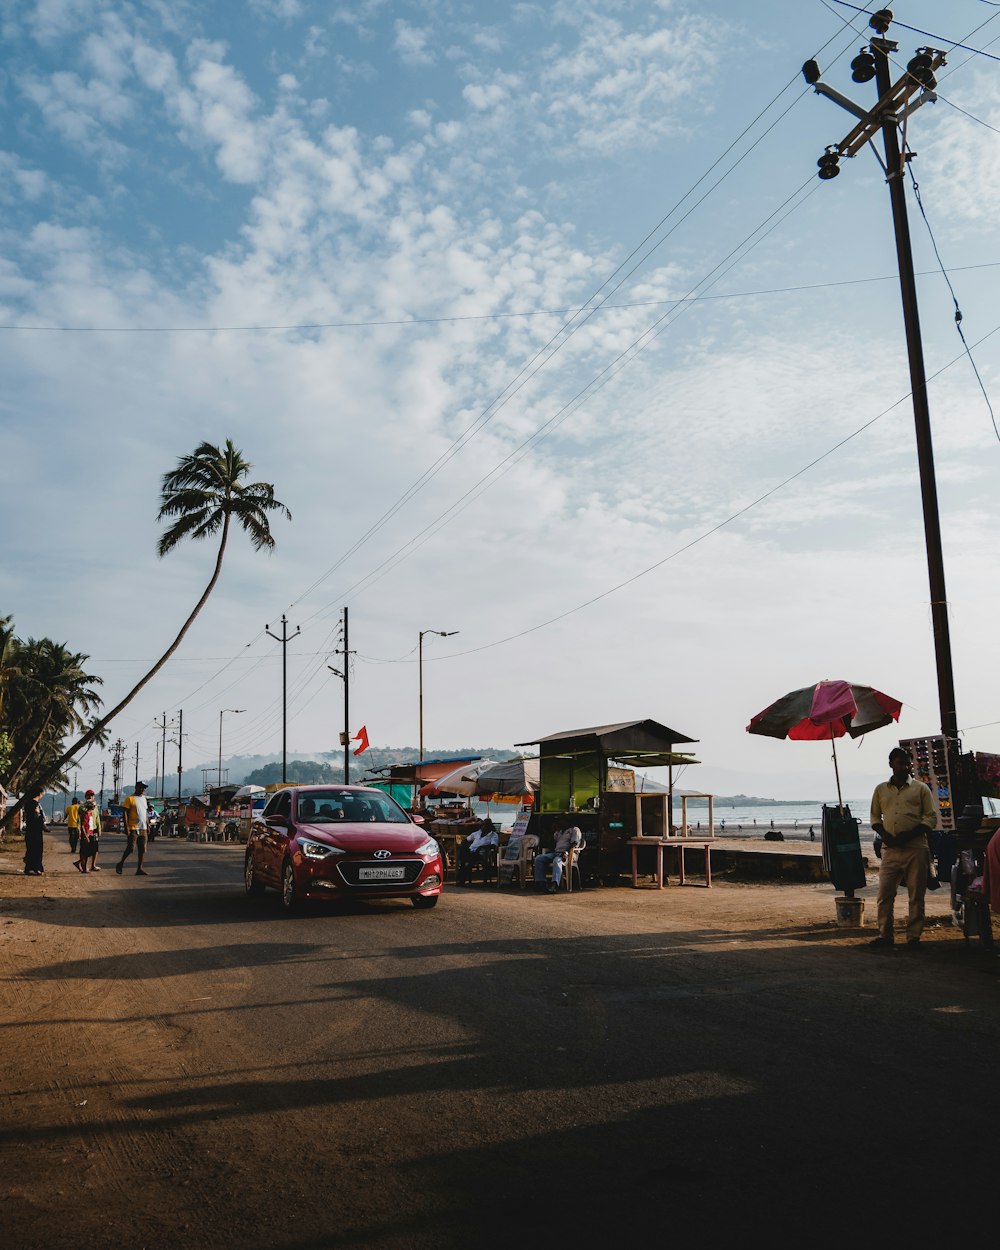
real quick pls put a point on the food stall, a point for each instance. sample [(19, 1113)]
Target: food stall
[(588, 775)]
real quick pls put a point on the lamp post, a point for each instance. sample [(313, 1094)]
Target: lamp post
[(236, 712), (441, 633)]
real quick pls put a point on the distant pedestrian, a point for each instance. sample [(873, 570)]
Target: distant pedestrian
[(34, 830), (90, 834), (136, 811), (73, 823)]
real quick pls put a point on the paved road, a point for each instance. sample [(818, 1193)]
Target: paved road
[(190, 1069)]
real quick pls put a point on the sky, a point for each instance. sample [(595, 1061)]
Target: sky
[(541, 324)]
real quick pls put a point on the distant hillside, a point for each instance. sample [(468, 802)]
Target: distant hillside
[(329, 766)]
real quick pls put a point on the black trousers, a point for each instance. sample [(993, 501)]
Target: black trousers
[(33, 843)]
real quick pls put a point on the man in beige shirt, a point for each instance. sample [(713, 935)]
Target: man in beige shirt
[(902, 815)]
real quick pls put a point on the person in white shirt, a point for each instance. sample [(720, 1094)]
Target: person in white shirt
[(136, 808), (476, 848)]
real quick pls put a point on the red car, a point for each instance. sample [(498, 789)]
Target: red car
[(337, 842)]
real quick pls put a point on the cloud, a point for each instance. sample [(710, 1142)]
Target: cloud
[(953, 155), (411, 44), (484, 97), (283, 10)]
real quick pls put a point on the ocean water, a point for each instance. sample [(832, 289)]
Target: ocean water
[(752, 820), (793, 819)]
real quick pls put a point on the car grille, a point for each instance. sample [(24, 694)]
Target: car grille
[(350, 872)]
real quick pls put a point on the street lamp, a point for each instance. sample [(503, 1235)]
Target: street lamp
[(441, 633), (236, 712)]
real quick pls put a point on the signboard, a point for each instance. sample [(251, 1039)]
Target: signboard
[(520, 826), (621, 780)]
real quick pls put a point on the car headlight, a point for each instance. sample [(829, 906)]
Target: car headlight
[(430, 847), (318, 850)]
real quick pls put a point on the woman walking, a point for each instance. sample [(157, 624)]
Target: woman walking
[(90, 831), (34, 829)]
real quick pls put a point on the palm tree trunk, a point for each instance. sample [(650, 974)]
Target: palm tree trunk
[(53, 771)]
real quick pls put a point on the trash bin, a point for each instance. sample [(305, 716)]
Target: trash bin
[(842, 859)]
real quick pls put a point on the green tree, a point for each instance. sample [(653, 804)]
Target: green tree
[(49, 696), (206, 494)]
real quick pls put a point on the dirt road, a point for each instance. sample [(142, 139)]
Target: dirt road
[(186, 1069)]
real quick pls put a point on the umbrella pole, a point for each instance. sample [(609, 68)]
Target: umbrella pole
[(836, 770)]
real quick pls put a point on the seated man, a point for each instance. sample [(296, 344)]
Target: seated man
[(567, 837), (476, 849)]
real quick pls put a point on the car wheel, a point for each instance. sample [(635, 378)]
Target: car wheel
[(423, 901), (289, 894), (254, 886)]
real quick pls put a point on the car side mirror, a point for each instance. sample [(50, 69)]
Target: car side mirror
[(417, 820)]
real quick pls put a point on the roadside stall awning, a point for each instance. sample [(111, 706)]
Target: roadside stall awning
[(644, 742), (417, 772)]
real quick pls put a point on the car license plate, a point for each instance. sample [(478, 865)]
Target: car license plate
[(395, 873)]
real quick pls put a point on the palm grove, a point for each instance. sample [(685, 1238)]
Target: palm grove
[(46, 695)]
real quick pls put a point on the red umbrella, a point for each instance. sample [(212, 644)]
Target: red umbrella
[(827, 710)]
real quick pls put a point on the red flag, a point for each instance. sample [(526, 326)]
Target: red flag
[(362, 737)]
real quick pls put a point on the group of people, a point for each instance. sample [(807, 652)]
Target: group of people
[(83, 825), (482, 846)]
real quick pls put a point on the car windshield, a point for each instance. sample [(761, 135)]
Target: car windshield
[(334, 807)]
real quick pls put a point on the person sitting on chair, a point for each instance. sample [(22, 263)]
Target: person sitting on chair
[(476, 848), (567, 837)]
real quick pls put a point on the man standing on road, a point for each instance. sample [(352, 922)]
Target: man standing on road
[(73, 823), (136, 809), (902, 815)]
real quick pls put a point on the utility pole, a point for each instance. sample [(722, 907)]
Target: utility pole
[(180, 751), (117, 759), (345, 737), (163, 753), (284, 639), (156, 774), (893, 109), (137, 763), (101, 804)]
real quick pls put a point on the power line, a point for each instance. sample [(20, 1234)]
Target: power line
[(954, 297), (561, 312), (954, 43), (715, 528)]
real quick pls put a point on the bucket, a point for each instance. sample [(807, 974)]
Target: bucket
[(850, 912)]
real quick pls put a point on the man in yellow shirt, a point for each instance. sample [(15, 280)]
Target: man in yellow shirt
[(73, 823), (902, 815)]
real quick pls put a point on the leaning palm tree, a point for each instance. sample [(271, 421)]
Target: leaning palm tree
[(207, 493)]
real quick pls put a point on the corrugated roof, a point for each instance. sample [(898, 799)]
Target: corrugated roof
[(647, 735)]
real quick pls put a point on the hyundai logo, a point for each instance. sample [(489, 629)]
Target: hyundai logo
[(382, 854)]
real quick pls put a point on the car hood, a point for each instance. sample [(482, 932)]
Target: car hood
[(368, 837)]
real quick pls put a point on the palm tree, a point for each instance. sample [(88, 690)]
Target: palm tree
[(207, 493), (54, 695)]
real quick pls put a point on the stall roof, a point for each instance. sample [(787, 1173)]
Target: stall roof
[(420, 770), (645, 740)]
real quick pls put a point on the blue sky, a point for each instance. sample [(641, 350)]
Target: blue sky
[(450, 179)]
